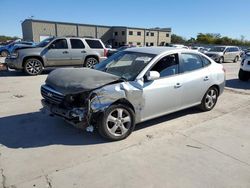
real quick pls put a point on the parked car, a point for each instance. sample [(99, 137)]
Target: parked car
[(7, 49), (244, 72), (223, 54), (199, 49), (113, 51), (58, 52), (178, 46), (133, 86)]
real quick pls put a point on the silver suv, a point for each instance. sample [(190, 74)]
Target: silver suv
[(58, 52), (223, 54)]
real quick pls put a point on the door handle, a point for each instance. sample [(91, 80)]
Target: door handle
[(83, 51), (206, 78), (65, 52), (177, 85)]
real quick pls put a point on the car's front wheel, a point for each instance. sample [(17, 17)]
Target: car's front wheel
[(33, 66), (117, 122), (90, 62), (209, 100), (4, 53), (243, 75)]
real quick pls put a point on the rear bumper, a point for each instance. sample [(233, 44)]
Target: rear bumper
[(75, 116), (222, 87)]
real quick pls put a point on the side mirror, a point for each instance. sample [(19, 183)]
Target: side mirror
[(52, 46), (153, 75)]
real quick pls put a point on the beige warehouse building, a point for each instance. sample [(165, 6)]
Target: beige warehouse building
[(37, 30)]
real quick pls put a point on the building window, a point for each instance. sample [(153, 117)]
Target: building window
[(167, 35), (152, 34), (123, 43), (138, 43), (123, 32), (116, 44), (147, 33), (130, 32), (151, 44), (139, 33), (116, 33), (130, 43), (147, 44)]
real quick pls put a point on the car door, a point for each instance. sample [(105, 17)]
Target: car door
[(58, 53), (195, 76), (78, 52), (163, 95), (228, 54)]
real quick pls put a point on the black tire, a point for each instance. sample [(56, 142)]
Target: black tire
[(209, 99), (221, 60), (236, 59), (111, 127), (33, 66), (4, 53), (90, 62), (243, 75)]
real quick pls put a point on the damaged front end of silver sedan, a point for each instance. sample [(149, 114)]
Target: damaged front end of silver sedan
[(83, 103)]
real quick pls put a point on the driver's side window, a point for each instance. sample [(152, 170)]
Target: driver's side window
[(167, 66), (59, 44)]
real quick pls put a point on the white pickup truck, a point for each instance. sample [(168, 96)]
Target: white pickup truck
[(244, 72)]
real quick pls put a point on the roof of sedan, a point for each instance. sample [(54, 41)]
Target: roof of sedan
[(154, 50)]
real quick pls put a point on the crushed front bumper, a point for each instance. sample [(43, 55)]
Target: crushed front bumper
[(75, 116)]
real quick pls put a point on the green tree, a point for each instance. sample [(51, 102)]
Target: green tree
[(176, 39)]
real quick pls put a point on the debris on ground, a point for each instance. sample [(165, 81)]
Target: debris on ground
[(90, 128), (3, 66), (149, 136), (18, 96)]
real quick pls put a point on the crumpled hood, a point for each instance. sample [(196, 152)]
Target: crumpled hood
[(76, 80)]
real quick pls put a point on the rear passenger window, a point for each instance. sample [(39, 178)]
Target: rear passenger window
[(60, 44), (190, 62), (76, 44), (94, 43), (167, 66), (206, 62)]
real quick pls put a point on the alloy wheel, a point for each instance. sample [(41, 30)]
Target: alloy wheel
[(33, 66), (91, 62), (211, 98), (118, 122)]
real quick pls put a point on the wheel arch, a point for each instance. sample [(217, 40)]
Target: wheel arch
[(33, 56)]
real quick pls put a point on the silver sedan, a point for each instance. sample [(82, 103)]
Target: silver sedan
[(136, 85)]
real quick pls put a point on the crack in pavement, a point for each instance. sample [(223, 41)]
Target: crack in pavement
[(48, 181), (217, 150), (3, 178)]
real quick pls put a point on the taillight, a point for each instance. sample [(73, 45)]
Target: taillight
[(105, 52)]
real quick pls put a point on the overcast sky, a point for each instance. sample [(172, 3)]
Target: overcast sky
[(185, 17)]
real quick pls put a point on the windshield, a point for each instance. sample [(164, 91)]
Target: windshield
[(217, 49), (45, 42), (125, 64)]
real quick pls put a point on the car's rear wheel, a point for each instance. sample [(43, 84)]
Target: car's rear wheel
[(90, 62), (117, 122), (243, 75), (236, 59), (221, 60), (209, 100), (33, 66), (4, 53)]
